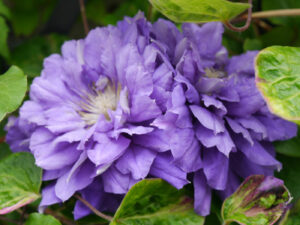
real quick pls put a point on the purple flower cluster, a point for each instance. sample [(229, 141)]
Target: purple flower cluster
[(138, 100)]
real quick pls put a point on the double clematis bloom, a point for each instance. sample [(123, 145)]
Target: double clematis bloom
[(88, 109), (138, 100)]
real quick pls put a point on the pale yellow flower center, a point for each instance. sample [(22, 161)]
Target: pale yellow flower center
[(99, 103)]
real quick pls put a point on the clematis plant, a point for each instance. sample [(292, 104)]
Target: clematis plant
[(141, 100)]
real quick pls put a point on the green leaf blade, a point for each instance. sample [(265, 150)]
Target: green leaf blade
[(36, 218), (199, 11), (20, 181), (278, 79), (153, 201), (3, 38), (13, 86), (4, 11)]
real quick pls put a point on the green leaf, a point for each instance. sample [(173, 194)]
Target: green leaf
[(13, 86), (20, 181), (290, 147), (3, 38), (278, 79), (199, 10), (4, 10), (41, 219), (259, 200), (29, 56), (153, 202)]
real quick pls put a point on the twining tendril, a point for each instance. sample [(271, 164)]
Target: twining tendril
[(248, 22)]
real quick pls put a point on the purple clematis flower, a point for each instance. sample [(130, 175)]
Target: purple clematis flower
[(141, 100), (219, 125), (89, 109)]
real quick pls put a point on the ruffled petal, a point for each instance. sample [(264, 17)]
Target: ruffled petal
[(222, 141), (163, 168), (208, 119), (66, 186), (116, 182), (137, 161), (215, 168), (48, 197), (107, 150), (202, 194)]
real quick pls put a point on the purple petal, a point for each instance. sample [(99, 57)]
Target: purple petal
[(242, 64), (180, 141), (233, 183), (131, 130), (116, 182), (66, 186), (167, 33), (48, 197), (237, 128), (137, 161), (215, 168), (278, 129), (107, 150), (54, 174), (191, 160), (18, 134), (143, 108), (257, 154), (63, 119), (208, 38), (244, 167), (163, 168), (222, 141), (33, 113), (179, 107), (157, 140), (50, 156), (208, 119), (191, 93), (103, 44), (96, 196), (218, 105), (253, 124), (138, 80), (202, 194)]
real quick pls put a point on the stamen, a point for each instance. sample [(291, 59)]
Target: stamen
[(99, 103)]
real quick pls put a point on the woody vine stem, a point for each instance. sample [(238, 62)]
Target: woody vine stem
[(83, 16)]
